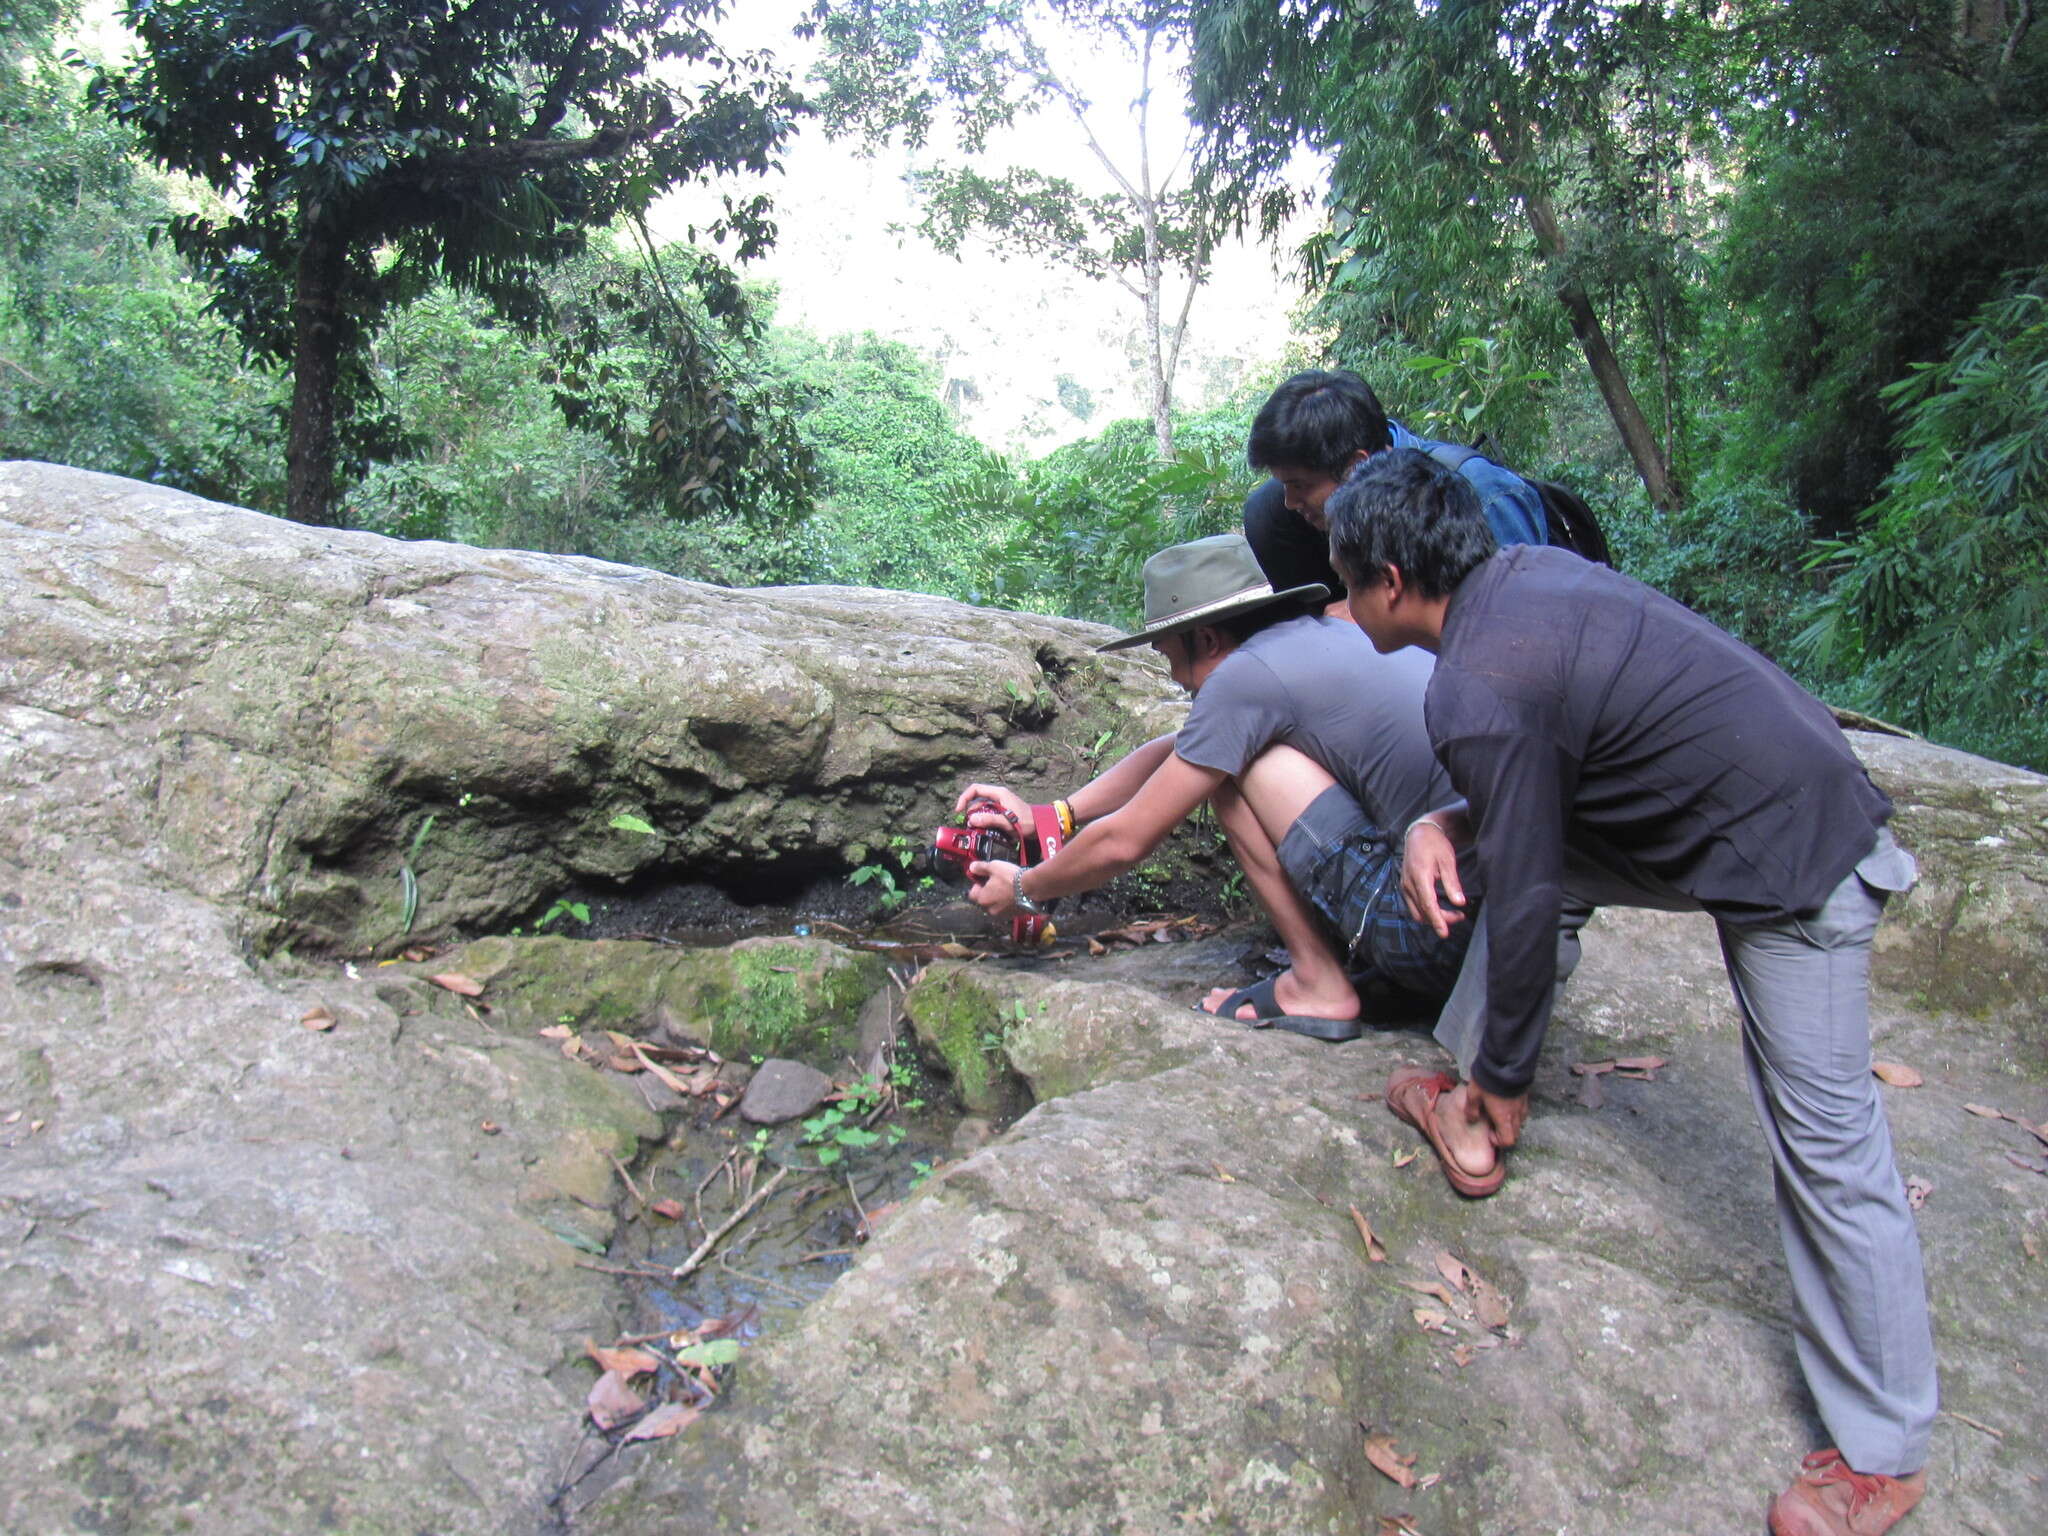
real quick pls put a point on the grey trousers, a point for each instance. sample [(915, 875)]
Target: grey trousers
[(1851, 1247)]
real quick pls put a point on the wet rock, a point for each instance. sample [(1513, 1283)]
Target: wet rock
[(782, 1091), (972, 1134)]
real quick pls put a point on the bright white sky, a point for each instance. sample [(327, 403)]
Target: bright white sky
[(1004, 333)]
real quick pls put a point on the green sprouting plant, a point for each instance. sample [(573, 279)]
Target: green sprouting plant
[(408, 882), (919, 1172), (833, 1132), (625, 821), (564, 908), (895, 892), (893, 895)]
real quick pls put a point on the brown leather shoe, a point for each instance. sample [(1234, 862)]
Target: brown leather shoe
[(1830, 1499)]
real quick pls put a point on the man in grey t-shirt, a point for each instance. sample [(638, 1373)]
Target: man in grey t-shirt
[(1311, 747)]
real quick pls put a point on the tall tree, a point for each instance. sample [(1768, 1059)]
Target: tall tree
[(895, 67), (1485, 154), (366, 150)]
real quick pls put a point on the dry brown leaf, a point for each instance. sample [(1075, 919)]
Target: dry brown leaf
[(1097, 947), (2030, 1164), (1591, 1094), (611, 1402), (1374, 1253), (1591, 1068), (1385, 1455), (489, 1127), (1463, 1356), (1224, 1174), (2038, 1132), (557, 1032), (316, 1017), (622, 1041), (459, 984), (1896, 1073), (572, 1047), (953, 951), (1490, 1303), (1430, 1481), (1433, 1288), (1639, 1063), (1917, 1191), (1985, 1111), (671, 1210), (1396, 1525), (666, 1078), (1453, 1269), (1403, 1159), (1429, 1320), (1638, 1077), (665, 1421), (626, 1360)]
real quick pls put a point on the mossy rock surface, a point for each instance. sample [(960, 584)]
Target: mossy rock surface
[(795, 997)]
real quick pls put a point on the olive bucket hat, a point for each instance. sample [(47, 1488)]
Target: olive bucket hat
[(1205, 582)]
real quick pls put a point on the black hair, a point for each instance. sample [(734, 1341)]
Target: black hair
[(1242, 626), (1404, 509), (1318, 421)]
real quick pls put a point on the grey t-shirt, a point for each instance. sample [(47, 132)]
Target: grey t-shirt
[(1317, 685)]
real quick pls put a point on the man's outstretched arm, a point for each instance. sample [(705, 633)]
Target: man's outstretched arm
[(1110, 790), (1106, 846)]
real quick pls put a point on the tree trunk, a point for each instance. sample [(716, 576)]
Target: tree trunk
[(1628, 416), (316, 351)]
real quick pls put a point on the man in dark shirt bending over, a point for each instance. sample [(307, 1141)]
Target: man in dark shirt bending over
[(1614, 748)]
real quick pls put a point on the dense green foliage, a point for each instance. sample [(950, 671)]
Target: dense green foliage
[(368, 152), (1940, 610)]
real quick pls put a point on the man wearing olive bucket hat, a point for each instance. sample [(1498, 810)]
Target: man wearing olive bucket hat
[(1311, 747)]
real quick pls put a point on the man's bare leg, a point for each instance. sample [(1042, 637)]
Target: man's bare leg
[(1256, 810)]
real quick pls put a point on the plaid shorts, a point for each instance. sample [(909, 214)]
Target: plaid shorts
[(1350, 871)]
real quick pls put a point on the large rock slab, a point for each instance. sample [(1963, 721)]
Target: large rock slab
[(1147, 1307), (255, 1276), (300, 702)]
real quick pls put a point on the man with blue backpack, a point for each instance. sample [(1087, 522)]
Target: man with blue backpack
[(1318, 425)]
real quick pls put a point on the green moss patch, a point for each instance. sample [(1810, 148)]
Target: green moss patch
[(766, 997)]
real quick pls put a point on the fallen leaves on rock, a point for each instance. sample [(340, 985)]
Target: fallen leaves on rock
[(625, 1360), (1429, 1320), (1986, 1112), (1897, 1074), (665, 1421), (459, 984), (1374, 1252), (1642, 1069), (557, 1032), (1385, 1453), (1403, 1159), (2031, 1164), (1437, 1289), (611, 1402), (1489, 1304), (1917, 1191), (1223, 1174), (317, 1018)]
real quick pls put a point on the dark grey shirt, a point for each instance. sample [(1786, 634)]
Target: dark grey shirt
[(1317, 685), (1574, 705)]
